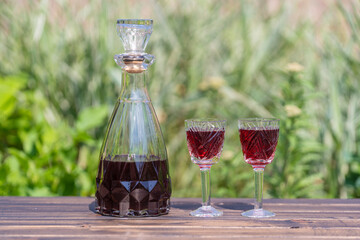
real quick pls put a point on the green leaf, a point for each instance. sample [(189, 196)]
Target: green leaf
[(91, 118), (9, 86)]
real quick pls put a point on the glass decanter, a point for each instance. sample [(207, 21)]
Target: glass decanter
[(133, 175)]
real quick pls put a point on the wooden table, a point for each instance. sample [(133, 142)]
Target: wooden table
[(74, 217)]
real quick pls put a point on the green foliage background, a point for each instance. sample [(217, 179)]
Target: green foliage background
[(225, 59)]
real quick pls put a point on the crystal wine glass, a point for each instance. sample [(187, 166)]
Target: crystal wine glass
[(258, 137), (205, 139)]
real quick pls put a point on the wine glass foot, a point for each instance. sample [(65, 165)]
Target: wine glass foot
[(258, 213), (206, 211)]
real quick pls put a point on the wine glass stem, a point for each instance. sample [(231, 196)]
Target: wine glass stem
[(205, 185), (259, 179)]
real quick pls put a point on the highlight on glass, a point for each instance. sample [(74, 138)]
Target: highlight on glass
[(259, 138), (205, 139)]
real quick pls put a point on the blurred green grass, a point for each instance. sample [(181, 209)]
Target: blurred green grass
[(225, 59)]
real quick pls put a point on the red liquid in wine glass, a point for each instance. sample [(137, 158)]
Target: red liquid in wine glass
[(259, 146), (205, 145)]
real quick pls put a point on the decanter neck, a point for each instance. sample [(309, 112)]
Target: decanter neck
[(134, 63), (134, 87)]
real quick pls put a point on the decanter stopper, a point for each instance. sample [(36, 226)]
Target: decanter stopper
[(134, 34)]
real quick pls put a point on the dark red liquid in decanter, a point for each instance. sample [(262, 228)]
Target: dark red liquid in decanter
[(140, 187)]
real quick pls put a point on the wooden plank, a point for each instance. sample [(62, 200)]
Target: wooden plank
[(181, 232), (74, 217)]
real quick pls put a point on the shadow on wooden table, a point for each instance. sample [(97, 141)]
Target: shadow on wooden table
[(186, 205), (228, 204), (235, 205), (92, 206)]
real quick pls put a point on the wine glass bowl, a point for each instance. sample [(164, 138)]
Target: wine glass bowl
[(258, 137), (205, 144), (205, 139)]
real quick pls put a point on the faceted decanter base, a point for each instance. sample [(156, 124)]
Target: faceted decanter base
[(133, 189), (154, 209)]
